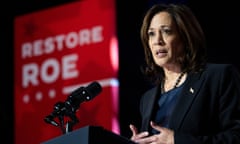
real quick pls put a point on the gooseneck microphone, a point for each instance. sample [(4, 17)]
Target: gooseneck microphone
[(83, 94), (71, 105)]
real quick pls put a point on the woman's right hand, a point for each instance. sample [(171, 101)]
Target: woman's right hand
[(165, 135), (137, 137)]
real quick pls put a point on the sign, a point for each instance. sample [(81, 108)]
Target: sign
[(56, 51)]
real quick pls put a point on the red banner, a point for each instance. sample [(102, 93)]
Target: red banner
[(58, 50)]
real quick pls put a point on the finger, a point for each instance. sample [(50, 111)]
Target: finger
[(133, 129), (141, 135), (155, 126), (147, 140)]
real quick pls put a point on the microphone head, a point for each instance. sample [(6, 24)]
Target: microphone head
[(83, 94), (93, 90)]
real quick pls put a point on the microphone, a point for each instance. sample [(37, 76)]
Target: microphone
[(83, 94), (73, 102)]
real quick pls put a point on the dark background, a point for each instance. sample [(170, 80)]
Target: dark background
[(220, 21)]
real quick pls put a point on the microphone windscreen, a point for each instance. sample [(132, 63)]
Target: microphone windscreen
[(93, 89)]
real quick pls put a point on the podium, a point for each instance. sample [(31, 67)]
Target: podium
[(90, 135)]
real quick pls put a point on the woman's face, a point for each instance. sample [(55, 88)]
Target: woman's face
[(164, 40)]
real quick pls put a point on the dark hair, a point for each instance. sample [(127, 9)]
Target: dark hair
[(190, 32)]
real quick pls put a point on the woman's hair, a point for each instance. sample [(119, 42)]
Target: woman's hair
[(191, 35)]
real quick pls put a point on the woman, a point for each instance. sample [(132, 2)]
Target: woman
[(192, 102)]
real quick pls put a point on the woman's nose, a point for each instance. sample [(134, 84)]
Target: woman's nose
[(159, 39)]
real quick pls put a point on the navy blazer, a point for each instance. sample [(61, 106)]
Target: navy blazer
[(208, 109)]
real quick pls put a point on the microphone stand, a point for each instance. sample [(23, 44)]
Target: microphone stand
[(61, 111), (61, 121), (71, 112)]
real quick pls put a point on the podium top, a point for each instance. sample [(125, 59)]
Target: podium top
[(90, 135)]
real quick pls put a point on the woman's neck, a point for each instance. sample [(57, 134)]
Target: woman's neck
[(173, 79)]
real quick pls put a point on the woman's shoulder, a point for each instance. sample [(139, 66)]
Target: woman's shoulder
[(219, 66), (214, 69), (216, 65)]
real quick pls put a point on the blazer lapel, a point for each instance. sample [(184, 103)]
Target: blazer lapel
[(189, 91), (147, 109)]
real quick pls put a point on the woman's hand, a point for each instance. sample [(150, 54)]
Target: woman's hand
[(138, 137), (165, 135)]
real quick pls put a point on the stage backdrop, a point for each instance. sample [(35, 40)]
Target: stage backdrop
[(58, 50)]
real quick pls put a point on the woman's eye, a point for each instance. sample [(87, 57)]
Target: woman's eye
[(166, 31), (150, 34)]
